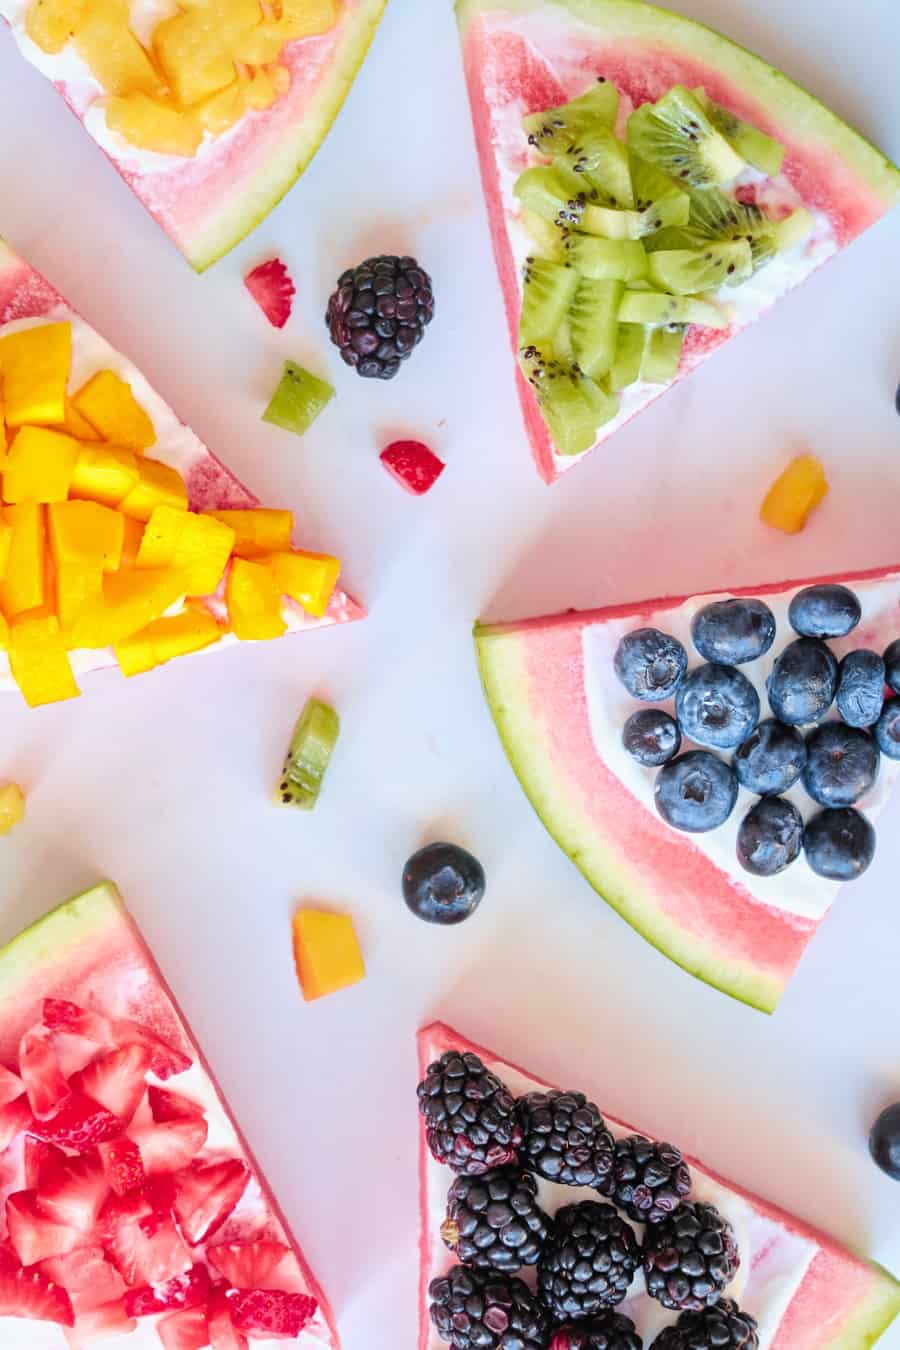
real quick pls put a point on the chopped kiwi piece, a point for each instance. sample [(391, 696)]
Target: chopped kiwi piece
[(308, 756), (611, 223), (554, 130), (676, 134), (548, 291), (684, 271), (655, 309), (607, 259), (298, 400), (553, 192), (593, 324), (604, 403), (547, 237), (717, 217), (662, 354), (650, 184), (562, 343), (562, 392), (631, 339), (794, 228), (753, 145), (601, 157)]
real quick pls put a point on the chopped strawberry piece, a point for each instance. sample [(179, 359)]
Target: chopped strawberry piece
[(189, 1290), (273, 290), (146, 1248), (87, 1277), (122, 1166), (61, 1015), (269, 1312), (33, 1234), (746, 194), (247, 1265), (166, 1105), (169, 1147), (205, 1195), (28, 1293), (40, 1071), (414, 466), (13, 1120), (73, 1191), (223, 1334), (166, 1061), (109, 1319), (116, 1080), (11, 1086), (188, 1330), (78, 1123), (39, 1156)]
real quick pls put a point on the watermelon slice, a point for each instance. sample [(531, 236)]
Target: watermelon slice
[(208, 203), (805, 1290), (524, 56), (560, 710)]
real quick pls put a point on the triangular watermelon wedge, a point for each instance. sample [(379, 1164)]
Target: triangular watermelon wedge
[(524, 56), (560, 710), (805, 1290)]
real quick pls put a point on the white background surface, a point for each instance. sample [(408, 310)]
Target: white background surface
[(163, 783)]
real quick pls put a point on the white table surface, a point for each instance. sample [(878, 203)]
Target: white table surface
[(163, 783)]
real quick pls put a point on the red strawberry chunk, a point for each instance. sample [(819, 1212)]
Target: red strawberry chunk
[(109, 1319), (205, 1195), (270, 1312), (13, 1120), (38, 1158), (169, 1147), (188, 1330), (247, 1265), (61, 1015), (87, 1277), (73, 1191), (40, 1071), (33, 1234), (122, 1166), (189, 1290), (28, 1293), (78, 1123), (273, 290), (166, 1105), (414, 466), (11, 1086), (116, 1080), (223, 1334), (147, 1249)]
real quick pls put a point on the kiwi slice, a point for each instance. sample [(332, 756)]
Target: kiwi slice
[(611, 223), (554, 192), (631, 339), (308, 756), (604, 403), (684, 271), (546, 237), (655, 309), (662, 354), (593, 324), (571, 404), (547, 294), (298, 399), (555, 130), (607, 259), (601, 157), (715, 216), (753, 145), (676, 134)]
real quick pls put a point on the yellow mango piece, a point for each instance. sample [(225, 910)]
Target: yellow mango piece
[(201, 546), (130, 601), (39, 660), (4, 445), (76, 425), (86, 533), (49, 605), (12, 806), (263, 44), (326, 953), (22, 587), (153, 124), (304, 18), (220, 111), (135, 654), (35, 365), (4, 633), (6, 534), (257, 531), (104, 473), (157, 485), (196, 49), (794, 494), (110, 407), (308, 578), (50, 23), (106, 43), (262, 91), (254, 602), (133, 535), (39, 466), (78, 586), (164, 639)]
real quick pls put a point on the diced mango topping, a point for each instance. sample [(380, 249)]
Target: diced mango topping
[(50, 23), (130, 600), (76, 425), (39, 466), (107, 403), (794, 494), (157, 485), (22, 587), (104, 473), (78, 585), (107, 45), (6, 535), (133, 536), (164, 639), (12, 806), (254, 602), (308, 578), (86, 533), (197, 48), (34, 368), (155, 124), (39, 660), (199, 544), (258, 531), (326, 953)]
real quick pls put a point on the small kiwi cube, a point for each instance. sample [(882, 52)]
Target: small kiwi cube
[(631, 339), (607, 259), (308, 756), (547, 294), (655, 309), (759, 150), (555, 129), (685, 271), (298, 400), (676, 134), (561, 391), (593, 323), (602, 159), (662, 354)]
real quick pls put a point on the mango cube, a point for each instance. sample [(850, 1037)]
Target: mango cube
[(76, 425), (221, 110), (39, 660), (86, 533), (258, 531), (326, 953), (12, 806), (197, 48), (34, 366), (6, 535), (200, 545), (22, 587), (133, 535), (39, 466), (50, 23), (104, 473), (157, 485), (105, 42), (308, 578), (4, 444), (77, 585), (304, 18), (164, 639), (154, 124), (794, 494), (135, 654), (110, 407), (254, 602), (130, 600)]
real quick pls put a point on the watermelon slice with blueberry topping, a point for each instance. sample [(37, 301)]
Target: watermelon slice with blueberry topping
[(621, 236), (111, 1230)]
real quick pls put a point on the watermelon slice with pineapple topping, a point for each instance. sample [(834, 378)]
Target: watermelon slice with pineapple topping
[(641, 221), (805, 1291), (145, 1208)]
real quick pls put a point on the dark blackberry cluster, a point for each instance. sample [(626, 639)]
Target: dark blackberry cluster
[(470, 1117), (565, 1139), (690, 1257), (608, 1331), (379, 313), (589, 1262), (651, 1180), (722, 1327), (494, 1221), (473, 1310)]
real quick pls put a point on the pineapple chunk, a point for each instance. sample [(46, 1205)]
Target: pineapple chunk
[(111, 408), (152, 124), (35, 365), (12, 806), (197, 48), (39, 466), (50, 23), (106, 43), (22, 587)]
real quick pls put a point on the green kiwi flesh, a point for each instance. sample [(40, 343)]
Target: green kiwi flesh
[(599, 156), (572, 405), (593, 324), (555, 130), (606, 259), (308, 756), (631, 338), (760, 151), (676, 134), (546, 296), (655, 308), (662, 354), (685, 271)]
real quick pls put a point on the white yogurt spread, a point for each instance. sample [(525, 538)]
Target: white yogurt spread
[(798, 889)]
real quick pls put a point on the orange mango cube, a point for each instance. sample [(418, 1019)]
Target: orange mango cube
[(76, 425), (129, 602), (104, 473), (39, 466), (39, 660), (77, 586), (157, 485), (22, 587), (164, 639), (109, 406), (34, 366), (254, 602), (105, 42), (794, 494), (258, 531), (308, 578), (50, 23), (133, 533), (6, 534), (86, 533), (154, 124), (326, 953), (202, 546)]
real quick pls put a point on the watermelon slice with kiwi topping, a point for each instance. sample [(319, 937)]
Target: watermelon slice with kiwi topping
[(805, 1290), (202, 1233), (560, 711), (652, 189)]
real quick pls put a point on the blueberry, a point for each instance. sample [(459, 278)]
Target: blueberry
[(884, 1141), (733, 631), (803, 682), (771, 759), (892, 665), (650, 664), (860, 691), (887, 729), (770, 836), (840, 844), (824, 611), (442, 883), (841, 764), (651, 737), (695, 792), (717, 705)]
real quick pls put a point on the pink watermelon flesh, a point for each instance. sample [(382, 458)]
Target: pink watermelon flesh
[(523, 56), (665, 883), (836, 1302), (90, 953)]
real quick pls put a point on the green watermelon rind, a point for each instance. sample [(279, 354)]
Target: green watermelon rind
[(80, 922), (870, 1319), (782, 98)]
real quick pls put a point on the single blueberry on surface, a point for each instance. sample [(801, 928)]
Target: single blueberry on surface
[(860, 691), (892, 665), (884, 1141), (651, 736), (771, 759), (887, 729), (717, 706), (650, 664), (442, 883), (803, 682), (841, 764), (770, 836), (733, 631), (824, 611), (695, 792), (839, 844)]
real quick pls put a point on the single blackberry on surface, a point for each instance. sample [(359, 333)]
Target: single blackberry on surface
[(609, 1331), (589, 1262), (565, 1139), (379, 313), (470, 1117), (494, 1221), (690, 1257), (723, 1327), (473, 1310), (651, 1180)]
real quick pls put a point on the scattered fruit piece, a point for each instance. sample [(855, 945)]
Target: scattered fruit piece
[(414, 466), (326, 953), (298, 400), (794, 494), (270, 1312), (443, 884), (378, 314), (273, 290), (884, 1141), (308, 756)]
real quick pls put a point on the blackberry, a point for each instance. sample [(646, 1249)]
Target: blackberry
[(690, 1257), (470, 1118), (494, 1222), (589, 1262), (476, 1311), (379, 313), (609, 1331), (651, 1180), (723, 1327), (565, 1140)]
